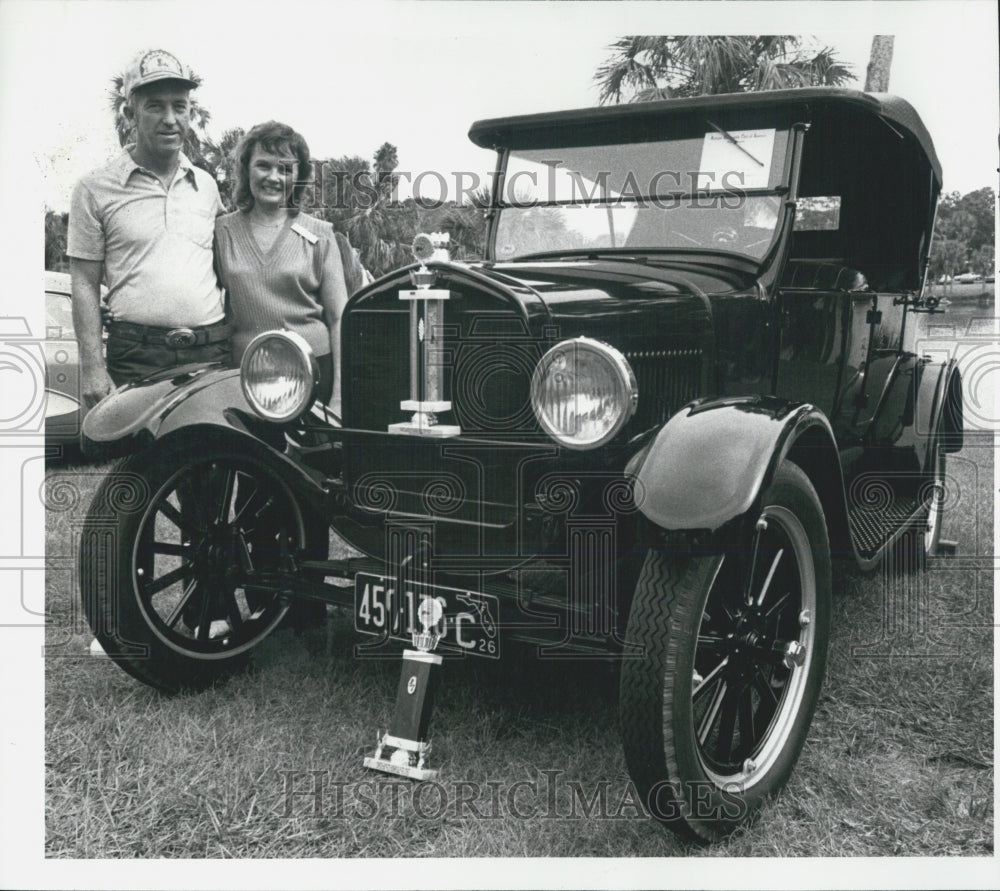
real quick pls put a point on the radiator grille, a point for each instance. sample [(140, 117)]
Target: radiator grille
[(487, 361), (667, 379)]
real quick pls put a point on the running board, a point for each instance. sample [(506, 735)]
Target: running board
[(873, 528)]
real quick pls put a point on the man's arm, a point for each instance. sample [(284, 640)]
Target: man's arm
[(95, 383)]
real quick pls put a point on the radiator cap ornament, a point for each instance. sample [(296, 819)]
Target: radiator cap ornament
[(432, 246), (429, 247)]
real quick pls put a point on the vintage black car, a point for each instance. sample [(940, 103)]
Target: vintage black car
[(681, 379)]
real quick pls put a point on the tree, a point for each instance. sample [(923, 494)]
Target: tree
[(358, 201), (659, 67), (219, 159), (963, 233), (386, 161), (55, 240), (464, 223), (980, 206), (879, 63), (947, 259), (983, 260)]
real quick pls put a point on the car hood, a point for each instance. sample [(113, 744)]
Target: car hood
[(569, 286), (614, 298)]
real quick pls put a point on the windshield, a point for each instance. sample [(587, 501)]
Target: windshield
[(717, 190)]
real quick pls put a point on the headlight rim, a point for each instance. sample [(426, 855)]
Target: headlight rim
[(309, 364), (626, 377)]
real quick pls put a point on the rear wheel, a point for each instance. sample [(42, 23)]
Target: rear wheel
[(724, 661), (171, 546), (922, 541)]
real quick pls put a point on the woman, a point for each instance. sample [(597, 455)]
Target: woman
[(281, 267)]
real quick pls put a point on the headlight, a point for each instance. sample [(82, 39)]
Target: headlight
[(279, 375), (583, 391)]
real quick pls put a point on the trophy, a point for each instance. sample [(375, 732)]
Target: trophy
[(407, 736), (426, 342)]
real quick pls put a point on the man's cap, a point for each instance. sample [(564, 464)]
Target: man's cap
[(150, 66)]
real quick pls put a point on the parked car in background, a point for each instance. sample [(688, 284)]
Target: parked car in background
[(968, 278), (638, 430), (64, 410)]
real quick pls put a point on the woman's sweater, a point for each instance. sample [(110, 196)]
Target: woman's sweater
[(286, 286)]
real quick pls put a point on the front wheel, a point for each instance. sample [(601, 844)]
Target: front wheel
[(723, 665), (169, 553)]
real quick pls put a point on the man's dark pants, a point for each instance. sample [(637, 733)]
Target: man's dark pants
[(130, 360)]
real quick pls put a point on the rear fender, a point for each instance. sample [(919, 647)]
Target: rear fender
[(921, 395), (139, 414), (712, 461), (939, 401)]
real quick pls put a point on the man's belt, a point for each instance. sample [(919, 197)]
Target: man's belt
[(176, 338)]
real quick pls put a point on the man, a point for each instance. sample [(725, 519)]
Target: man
[(144, 224)]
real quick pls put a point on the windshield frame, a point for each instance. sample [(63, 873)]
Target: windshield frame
[(782, 190)]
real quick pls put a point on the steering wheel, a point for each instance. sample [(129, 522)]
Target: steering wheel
[(725, 235)]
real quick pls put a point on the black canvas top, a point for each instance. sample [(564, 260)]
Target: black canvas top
[(525, 130)]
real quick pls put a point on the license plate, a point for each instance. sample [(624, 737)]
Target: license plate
[(469, 624)]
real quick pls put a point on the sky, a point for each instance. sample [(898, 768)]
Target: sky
[(351, 75)]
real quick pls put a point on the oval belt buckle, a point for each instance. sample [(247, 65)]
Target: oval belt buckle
[(180, 338)]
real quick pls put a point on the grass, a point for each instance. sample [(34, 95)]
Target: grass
[(899, 760)]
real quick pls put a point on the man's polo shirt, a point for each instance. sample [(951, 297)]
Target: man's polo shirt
[(155, 243)]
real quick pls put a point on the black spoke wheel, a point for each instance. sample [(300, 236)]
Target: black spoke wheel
[(723, 665), (174, 543)]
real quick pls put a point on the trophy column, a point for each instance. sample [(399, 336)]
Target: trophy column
[(427, 390), (407, 735)]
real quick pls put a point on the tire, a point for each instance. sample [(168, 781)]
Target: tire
[(715, 702), (171, 539)]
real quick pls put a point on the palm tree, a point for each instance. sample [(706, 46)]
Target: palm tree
[(383, 233), (219, 157), (358, 201), (659, 67), (55, 240)]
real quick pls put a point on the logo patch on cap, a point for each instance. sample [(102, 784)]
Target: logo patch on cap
[(159, 60), (153, 65)]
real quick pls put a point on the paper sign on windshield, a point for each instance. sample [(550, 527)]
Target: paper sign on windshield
[(736, 159)]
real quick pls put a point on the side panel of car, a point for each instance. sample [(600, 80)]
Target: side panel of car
[(63, 410)]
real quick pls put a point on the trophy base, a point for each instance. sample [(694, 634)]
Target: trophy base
[(400, 762), (419, 428), (421, 774)]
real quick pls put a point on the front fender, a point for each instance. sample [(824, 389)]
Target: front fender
[(712, 460), (192, 395)]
